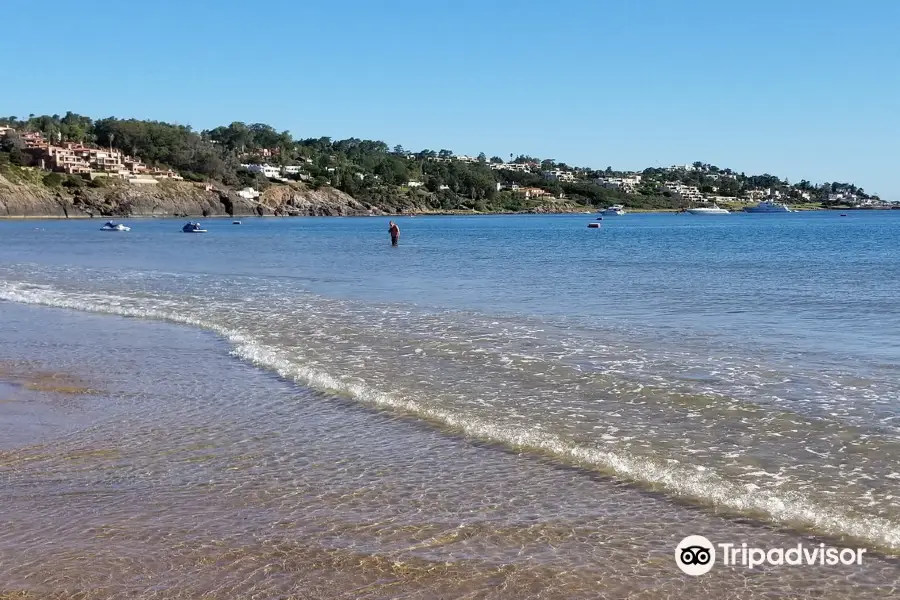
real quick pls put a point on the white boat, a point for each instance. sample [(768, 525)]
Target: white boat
[(110, 226), (193, 228), (768, 206), (708, 210), (616, 209)]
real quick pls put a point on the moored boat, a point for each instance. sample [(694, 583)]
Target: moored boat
[(708, 210), (193, 228), (768, 206), (113, 226)]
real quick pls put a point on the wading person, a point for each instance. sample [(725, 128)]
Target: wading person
[(395, 233)]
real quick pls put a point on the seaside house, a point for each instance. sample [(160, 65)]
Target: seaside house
[(687, 192), (265, 169), (532, 192), (627, 183), (33, 139), (414, 184), (520, 167), (559, 175)]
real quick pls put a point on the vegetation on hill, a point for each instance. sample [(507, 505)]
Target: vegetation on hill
[(377, 174)]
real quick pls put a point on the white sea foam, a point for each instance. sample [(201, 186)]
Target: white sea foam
[(679, 479)]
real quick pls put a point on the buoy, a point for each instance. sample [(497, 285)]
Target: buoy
[(594, 225)]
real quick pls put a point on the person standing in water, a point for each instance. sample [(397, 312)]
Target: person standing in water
[(395, 233)]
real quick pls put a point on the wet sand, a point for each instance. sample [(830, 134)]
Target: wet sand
[(141, 460)]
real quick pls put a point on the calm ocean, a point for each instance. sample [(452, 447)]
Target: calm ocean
[(469, 404)]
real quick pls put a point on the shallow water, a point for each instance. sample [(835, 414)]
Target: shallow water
[(527, 366)]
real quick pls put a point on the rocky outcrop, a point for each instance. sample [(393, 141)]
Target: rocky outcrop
[(184, 199), (297, 199), (169, 199)]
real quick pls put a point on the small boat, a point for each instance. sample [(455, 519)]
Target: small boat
[(193, 228), (235, 222), (713, 210), (112, 226), (615, 209), (768, 206), (594, 225)]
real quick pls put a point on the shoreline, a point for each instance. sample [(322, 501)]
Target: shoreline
[(449, 213)]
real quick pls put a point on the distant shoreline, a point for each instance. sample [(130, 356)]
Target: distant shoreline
[(385, 216)]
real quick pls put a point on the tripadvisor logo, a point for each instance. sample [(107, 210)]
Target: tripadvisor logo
[(695, 555)]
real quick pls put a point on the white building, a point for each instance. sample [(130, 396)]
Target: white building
[(559, 175), (291, 169), (629, 183), (688, 192), (522, 168), (414, 184), (249, 193), (266, 169), (845, 197)]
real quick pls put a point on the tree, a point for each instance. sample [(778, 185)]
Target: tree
[(445, 153), (482, 158), (496, 160), (10, 142), (53, 180), (18, 157)]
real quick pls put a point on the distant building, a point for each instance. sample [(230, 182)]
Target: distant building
[(844, 198), (559, 175), (248, 193), (33, 139), (687, 192), (627, 183), (532, 192), (414, 184), (266, 170), (520, 167)]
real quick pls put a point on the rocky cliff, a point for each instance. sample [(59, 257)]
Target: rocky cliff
[(30, 198), (182, 199)]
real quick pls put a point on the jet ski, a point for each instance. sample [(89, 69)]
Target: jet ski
[(112, 226), (193, 228)]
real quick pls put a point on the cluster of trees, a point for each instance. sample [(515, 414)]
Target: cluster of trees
[(369, 169), (725, 182)]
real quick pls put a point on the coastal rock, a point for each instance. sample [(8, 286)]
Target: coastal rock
[(22, 200), (297, 199), (169, 199)]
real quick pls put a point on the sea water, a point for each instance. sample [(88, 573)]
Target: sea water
[(469, 402)]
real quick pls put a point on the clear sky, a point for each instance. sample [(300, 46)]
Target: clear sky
[(797, 88)]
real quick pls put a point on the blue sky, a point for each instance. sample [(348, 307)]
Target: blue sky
[(798, 88)]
